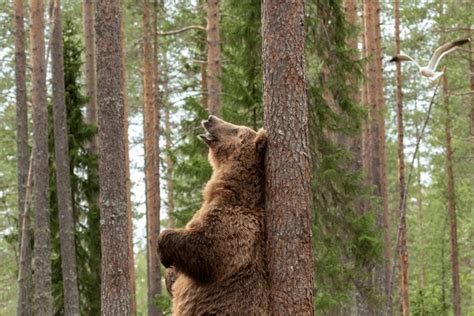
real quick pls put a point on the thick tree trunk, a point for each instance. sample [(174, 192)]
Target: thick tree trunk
[(116, 285), (377, 131), (288, 201), (150, 141), (61, 151), (43, 300), (403, 250), (451, 204), (89, 69), (213, 57), (24, 275)]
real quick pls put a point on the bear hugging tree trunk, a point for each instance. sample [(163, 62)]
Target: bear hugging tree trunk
[(216, 263)]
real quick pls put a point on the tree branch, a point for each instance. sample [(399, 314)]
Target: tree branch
[(184, 29)]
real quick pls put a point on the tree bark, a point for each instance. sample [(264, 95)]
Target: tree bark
[(90, 68), (403, 250), (213, 57), (43, 300), (116, 285), (377, 131), (151, 106), (288, 192), (24, 275), (61, 151), (451, 204)]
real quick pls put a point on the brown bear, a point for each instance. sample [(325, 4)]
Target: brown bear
[(217, 261)]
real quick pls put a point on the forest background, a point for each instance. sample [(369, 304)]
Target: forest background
[(347, 241)]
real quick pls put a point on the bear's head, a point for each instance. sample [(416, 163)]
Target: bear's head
[(233, 145)]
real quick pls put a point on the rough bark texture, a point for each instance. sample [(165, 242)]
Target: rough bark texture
[(116, 284), (377, 131), (213, 57), (451, 204), (403, 250), (61, 151), (150, 102), (24, 275), (89, 67), (43, 300), (288, 192)]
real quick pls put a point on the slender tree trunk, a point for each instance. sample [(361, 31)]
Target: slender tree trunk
[(288, 202), (66, 218), (89, 69), (150, 142), (403, 250), (471, 67), (24, 275), (117, 288), (133, 302), (451, 204), (419, 203), (213, 57), (377, 131), (43, 300), (168, 159)]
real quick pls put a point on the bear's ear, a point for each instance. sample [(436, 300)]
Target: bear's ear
[(261, 140)]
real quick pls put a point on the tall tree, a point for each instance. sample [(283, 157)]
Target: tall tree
[(89, 69), (403, 250), (63, 182), (115, 232), (288, 202), (377, 131), (43, 304), (213, 57), (24, 275), (451, 203), (150, 141)]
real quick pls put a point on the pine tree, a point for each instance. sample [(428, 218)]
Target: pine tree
[(24, 275), (289, 246), (213, 57), (117, 290), (43, 304)]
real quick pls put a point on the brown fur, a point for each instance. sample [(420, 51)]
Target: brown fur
[(217, 260)]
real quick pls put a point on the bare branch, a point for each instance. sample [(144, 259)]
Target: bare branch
[(184, 29)]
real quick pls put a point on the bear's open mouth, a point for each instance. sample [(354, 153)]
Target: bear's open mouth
[(207, 137)]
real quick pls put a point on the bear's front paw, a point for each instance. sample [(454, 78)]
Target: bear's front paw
[(165, 247)]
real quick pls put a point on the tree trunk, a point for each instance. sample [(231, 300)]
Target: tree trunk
[(288, 202), (419, 203), (150, 142), (133, 302), (213, 57), (471, 67), (116, 285), (89, 69), (451, 204), (168, 159), (43, 300), (377, 131), (61, 151), (24, 275), (403, 250)]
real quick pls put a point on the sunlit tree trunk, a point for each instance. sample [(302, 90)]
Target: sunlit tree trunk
[(61, 151), (288, 202), (377, 131), (213, 57), (43, 300), (403, 250), (116, 284), (24, 274), (151, 137), (451, 204), (89, 67)]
